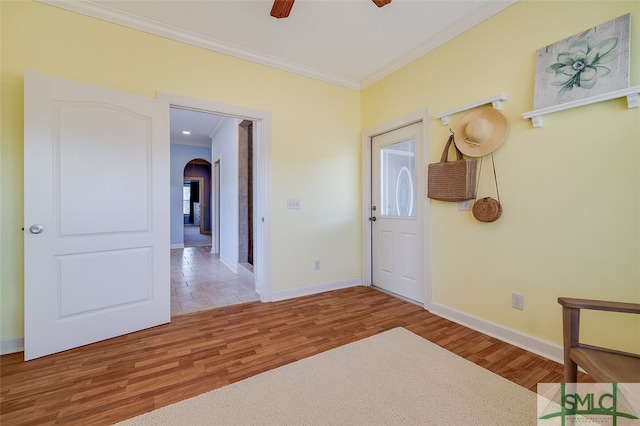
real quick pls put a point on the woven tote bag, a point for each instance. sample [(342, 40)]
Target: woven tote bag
[(452, 180)]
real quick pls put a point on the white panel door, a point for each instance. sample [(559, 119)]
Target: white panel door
[(395, 246), (96, 214)]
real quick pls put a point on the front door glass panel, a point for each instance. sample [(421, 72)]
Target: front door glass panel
[(398, 176)]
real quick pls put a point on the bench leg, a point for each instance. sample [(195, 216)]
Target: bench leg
[(570, 332)]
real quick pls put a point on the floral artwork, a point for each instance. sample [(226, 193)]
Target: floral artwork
[(590, 63)]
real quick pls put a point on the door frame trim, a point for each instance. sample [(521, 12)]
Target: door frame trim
[(262, 205), (215, 206), (424, 222)]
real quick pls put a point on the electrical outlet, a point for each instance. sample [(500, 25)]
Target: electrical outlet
[(316, 265), (293, 204), (517, 301)]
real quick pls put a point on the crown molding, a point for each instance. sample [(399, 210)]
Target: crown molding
[(216, 129), (117, 17), (467, 22), (108, 14)]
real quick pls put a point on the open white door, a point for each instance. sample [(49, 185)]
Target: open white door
[(96, 212)]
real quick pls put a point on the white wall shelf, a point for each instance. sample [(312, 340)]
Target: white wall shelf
[(496, 101), (633, 101)]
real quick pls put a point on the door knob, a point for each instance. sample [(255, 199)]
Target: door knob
[(372, 218), (36, 229)]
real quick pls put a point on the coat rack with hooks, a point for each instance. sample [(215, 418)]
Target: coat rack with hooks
[(496, 101)]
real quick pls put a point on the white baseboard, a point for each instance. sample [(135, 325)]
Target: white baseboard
[(231, 265), (315, 289), (11, 345), (177, 246), (516, 338), (529, 343)]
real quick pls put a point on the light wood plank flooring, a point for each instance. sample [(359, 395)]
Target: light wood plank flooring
[(122, 377)]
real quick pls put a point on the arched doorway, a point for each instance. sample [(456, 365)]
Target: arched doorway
[(196, 203)]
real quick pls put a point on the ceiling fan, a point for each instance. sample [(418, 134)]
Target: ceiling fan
[(282, 8)]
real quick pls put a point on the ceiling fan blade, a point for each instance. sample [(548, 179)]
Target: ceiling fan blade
[(381, 3), (282, 8)]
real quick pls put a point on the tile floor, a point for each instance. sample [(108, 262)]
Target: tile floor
[(199, 281), (193, 237)]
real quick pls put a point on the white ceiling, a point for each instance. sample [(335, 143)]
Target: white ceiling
[(352, 43), (202, 126)]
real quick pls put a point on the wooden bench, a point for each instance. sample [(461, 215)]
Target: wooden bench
[(604, 365)]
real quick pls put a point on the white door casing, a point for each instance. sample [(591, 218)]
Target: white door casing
[(215, 211), (96, 179), (262, 178)]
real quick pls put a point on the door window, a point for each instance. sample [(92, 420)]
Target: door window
[(397, 189)]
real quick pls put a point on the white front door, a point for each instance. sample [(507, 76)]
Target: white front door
[(395, 242), (96, 214)]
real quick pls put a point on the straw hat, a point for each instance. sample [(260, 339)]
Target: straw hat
[(481, 132)]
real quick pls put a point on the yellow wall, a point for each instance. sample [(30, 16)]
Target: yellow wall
[(570, 190), (315, 135)]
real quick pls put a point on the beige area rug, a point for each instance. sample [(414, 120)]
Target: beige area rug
[(393, 378)]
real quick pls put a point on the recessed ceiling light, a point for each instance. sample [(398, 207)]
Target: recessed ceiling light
[(186, 132)]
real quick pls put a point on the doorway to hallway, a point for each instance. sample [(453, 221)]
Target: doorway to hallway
[(207, 271), (262, 125)]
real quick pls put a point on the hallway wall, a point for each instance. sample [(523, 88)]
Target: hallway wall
[(224, 147)]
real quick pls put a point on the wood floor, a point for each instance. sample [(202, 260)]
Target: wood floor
[(113, 380)]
